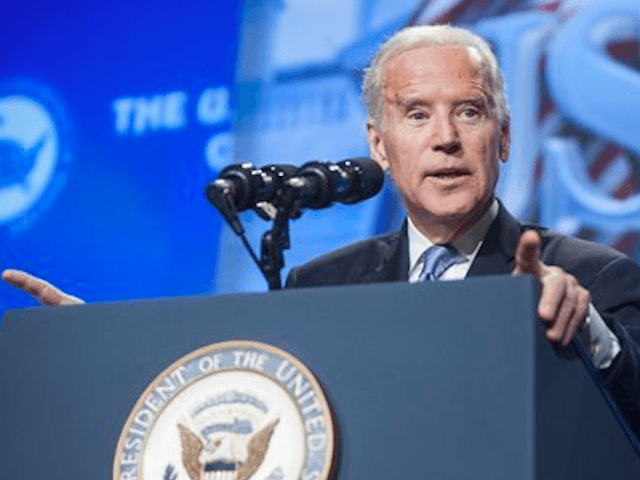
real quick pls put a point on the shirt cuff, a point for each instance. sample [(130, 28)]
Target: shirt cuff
[(603, 344)]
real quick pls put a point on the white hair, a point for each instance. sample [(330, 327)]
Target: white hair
[(409, 38)]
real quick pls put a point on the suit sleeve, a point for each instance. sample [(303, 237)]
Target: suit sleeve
[(615, 293)]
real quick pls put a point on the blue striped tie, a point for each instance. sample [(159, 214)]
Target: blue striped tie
[(436, 260)]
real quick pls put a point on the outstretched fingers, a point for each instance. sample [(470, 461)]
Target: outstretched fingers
[(579, 314), (528, 254), (39, 289), (558, 302), (552, 296), (564, 303)]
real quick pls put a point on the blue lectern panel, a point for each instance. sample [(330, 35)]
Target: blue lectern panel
[(401, 365), (438, 381)]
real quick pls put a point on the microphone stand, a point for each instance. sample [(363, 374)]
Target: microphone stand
[(276, 240)]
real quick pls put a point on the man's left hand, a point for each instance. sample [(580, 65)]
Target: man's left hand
[(564, 303)]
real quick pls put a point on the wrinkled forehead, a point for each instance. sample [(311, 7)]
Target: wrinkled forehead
[(473, 53), (426, 62)]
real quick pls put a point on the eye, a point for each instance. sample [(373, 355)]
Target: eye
[(470, 113), (418, 115)]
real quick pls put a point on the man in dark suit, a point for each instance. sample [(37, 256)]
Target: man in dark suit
[(439, 123)]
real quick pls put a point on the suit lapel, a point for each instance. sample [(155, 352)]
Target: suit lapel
[(497, 253), (391, 260)]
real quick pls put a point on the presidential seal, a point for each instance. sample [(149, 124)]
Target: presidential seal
[(235, 410)]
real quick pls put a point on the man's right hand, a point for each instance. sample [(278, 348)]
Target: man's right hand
[(39, 289)]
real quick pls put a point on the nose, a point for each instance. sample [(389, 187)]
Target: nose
[(445, 136)]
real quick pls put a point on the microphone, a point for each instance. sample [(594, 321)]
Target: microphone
[(243, 186), (319, 184), (315, 185)]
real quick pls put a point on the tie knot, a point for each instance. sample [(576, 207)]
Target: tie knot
[(436, 260)]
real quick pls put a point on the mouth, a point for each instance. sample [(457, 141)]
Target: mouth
[(449, 173)]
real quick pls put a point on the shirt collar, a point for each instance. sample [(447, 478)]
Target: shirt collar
[(467, 244)]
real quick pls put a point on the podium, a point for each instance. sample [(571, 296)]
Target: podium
[(450, 380)]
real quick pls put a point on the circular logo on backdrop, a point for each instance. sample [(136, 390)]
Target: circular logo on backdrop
[(31, 146), (235, 410)]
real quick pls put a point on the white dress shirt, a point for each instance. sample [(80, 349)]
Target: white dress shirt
[(604, 345)]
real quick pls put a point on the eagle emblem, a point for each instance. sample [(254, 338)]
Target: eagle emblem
[(225, 456), (237, 410)]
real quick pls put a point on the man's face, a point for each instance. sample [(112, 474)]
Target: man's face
[(439, 137)]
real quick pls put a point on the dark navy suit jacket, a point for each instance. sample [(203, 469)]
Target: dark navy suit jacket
[(612, 278)]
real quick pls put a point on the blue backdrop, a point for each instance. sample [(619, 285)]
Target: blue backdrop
[(114, 116), (106, 113)]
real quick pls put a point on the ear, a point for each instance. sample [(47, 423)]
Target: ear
[(376, 146), (505, 141)]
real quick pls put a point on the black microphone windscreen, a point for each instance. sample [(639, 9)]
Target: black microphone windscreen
[(368, 178)]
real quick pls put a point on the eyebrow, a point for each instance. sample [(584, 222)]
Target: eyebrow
[(474, 99), (409, 102)]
